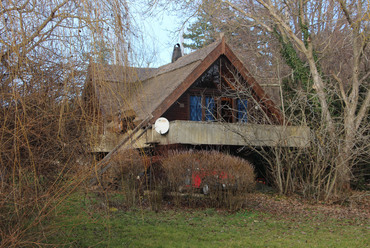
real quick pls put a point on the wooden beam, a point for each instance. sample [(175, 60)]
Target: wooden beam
[(227, 82)]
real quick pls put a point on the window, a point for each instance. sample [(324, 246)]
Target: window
[(207, 108), (197, 104), (242, 110), (210, 109), (195, 108), (226, 109)]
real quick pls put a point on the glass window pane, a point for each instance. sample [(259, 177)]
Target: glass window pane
[(242, 110), (195, 108), (210, 109)]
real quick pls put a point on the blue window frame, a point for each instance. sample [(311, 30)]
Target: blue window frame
[(210, 109), (195, 108), (242, 110)]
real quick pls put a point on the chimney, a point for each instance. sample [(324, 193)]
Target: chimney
[(176, 52)]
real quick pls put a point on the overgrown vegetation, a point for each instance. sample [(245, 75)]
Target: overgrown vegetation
[(317, 53), (203, 178), (44, 151), (223, 179)]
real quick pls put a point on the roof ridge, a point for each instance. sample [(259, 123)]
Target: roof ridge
[(184, 60)]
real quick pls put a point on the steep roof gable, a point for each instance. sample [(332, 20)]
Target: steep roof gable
[(173, 83), (152, 91)]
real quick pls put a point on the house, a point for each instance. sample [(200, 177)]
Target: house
[(208, 97)]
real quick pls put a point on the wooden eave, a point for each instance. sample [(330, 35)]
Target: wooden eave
[(221, 49)]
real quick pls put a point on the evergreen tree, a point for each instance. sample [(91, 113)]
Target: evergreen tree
[(200, 33), (213, 18)]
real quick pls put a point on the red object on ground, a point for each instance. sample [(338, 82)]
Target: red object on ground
[(260, 180), (199, 175)]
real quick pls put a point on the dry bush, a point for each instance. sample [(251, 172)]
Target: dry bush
[(331, 85), (131, 172), (39, 150), (126, 165), (43, 147), (127, 174), (223, 179)]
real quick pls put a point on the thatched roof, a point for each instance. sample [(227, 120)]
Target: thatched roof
[(151, 91), (120, 88), (113, 84)]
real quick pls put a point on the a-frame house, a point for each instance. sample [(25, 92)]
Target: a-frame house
[(208, 97)]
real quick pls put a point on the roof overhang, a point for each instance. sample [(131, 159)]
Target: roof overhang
[(221, 49)]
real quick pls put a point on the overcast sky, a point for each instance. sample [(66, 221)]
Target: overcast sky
[(161, 33)]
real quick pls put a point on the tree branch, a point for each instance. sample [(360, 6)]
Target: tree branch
[(281, 22), (363, 110), (364, 77), (346, 12), (340, 82), (43, 25), (269, 29)]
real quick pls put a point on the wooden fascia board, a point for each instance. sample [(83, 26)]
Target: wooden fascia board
[(189, 80), (265, 99)]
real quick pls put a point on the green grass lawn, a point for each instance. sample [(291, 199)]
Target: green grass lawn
[(89, 222)]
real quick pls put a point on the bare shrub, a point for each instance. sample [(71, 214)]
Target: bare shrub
[(126, 165), (127, 174), (43, 147), (223, 179), (39, 149), (323, 64)]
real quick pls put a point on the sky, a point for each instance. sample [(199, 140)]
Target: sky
[(163, 34), (160, 34)]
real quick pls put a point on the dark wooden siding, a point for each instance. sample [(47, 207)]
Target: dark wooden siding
[(179, 110)]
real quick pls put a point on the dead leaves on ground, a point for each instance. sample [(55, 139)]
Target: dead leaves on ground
[(296, 208)]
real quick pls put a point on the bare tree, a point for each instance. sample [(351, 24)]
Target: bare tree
[(302, 23), (45, 46), (325, 45)]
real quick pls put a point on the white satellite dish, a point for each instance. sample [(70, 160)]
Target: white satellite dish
[(161, 125)]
